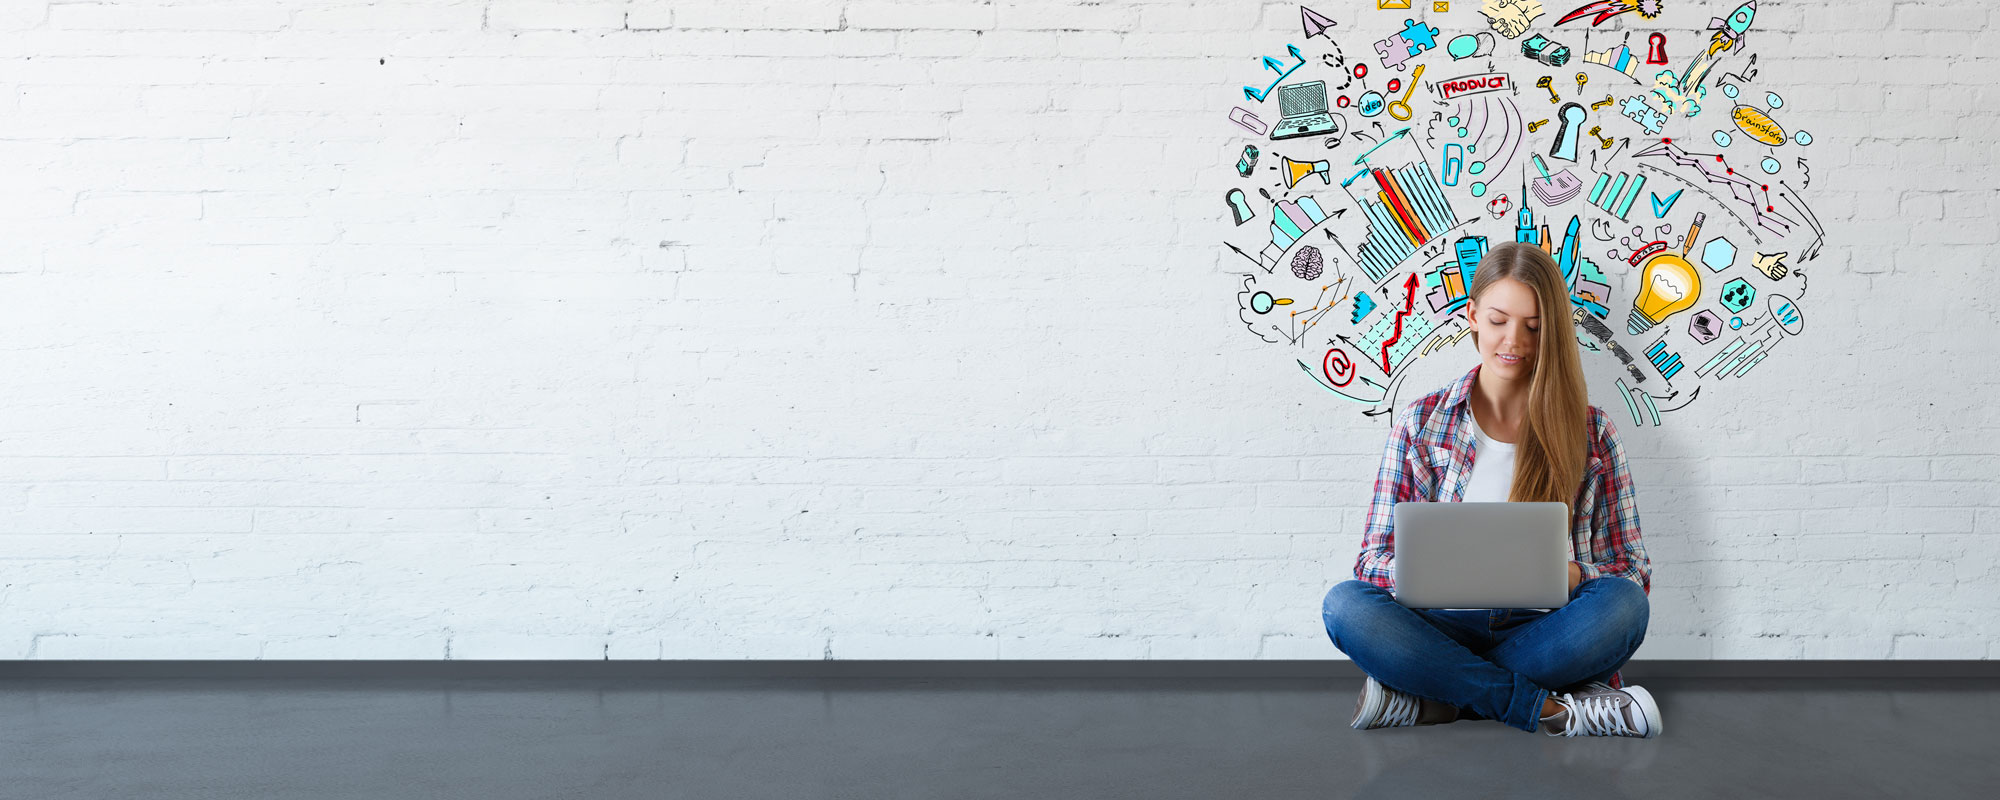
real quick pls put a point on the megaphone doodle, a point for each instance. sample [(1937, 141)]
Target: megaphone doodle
[(1298, 170)]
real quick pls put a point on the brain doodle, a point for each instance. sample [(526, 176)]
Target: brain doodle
[(1308, 263), (1581, 140)]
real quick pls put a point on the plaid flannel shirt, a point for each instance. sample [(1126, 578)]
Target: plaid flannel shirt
[(1429, 457)]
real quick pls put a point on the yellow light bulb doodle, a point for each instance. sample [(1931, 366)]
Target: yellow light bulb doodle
[(1668, 284)]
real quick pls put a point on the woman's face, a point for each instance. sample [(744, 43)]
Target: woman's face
[(1507, 320)]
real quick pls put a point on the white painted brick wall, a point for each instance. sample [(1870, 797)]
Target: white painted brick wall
[(609, 329)]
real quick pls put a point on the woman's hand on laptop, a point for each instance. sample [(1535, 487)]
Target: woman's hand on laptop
[(1575, 575)]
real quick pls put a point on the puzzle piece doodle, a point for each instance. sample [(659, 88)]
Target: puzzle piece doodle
[(1649, 118), (1413, 40), (1421, 37), (1395, 50)]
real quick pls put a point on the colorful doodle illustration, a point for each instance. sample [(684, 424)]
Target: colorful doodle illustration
[(1699, 292)]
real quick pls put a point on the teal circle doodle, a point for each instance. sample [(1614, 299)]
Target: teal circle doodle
[(1722, 138)]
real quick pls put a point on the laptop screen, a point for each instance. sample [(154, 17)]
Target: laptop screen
[(1301, 99)]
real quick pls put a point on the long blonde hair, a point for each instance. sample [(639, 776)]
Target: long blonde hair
[(1553, 447)]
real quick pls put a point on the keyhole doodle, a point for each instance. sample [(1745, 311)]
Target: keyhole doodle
[(1572, 115), (1656, 52), (1239, 206)]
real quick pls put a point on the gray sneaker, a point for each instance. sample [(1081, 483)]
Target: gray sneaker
[(1599, 710), (1379, 706)]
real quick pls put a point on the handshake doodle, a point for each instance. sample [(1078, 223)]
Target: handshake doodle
[(1771, 264), (1510, 18)]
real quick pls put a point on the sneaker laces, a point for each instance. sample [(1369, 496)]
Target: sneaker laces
[(1400, 711), (1596, 715)]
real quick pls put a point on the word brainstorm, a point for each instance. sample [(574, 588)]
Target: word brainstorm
[(1375, 173)]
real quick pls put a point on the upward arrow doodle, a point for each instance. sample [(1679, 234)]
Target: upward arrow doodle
[(1409, 303)]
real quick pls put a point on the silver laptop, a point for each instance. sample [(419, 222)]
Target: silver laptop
[(1482, 555), (1302, 111)]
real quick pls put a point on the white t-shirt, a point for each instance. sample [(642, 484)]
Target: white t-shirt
[(1492, 468)]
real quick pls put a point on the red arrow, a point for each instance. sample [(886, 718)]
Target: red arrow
[(1409, 303)]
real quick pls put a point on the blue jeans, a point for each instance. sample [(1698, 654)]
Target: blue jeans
[(1497, 664)]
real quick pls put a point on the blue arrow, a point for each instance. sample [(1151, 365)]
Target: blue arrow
[(1390, 138)]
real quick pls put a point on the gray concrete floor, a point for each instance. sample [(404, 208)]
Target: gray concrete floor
[(962, 738)]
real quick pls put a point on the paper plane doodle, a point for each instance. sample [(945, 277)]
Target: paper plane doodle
[(1315, 22)]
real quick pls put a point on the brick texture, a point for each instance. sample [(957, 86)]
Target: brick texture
[(856, 330)]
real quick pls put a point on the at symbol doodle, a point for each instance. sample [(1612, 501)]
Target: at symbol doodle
[(1337, 367)]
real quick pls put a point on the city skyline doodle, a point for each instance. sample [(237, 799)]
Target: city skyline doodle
[(1390, 153)]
